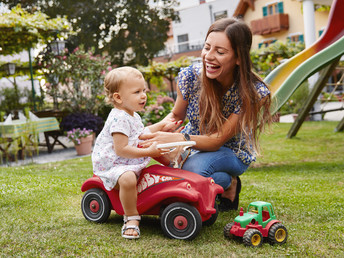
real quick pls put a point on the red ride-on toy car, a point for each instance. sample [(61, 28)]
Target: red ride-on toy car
[(184, 200)]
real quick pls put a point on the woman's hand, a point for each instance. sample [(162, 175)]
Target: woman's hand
[(171, 125), (160, 137)]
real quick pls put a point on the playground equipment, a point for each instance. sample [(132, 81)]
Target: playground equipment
[(322, 56), (259, 221), (183, 200)]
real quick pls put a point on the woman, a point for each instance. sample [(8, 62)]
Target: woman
[(227, 106)]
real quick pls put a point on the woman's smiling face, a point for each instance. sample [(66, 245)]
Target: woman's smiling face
[(219, 58)]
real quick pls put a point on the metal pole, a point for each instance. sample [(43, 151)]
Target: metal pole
[(32, 83)]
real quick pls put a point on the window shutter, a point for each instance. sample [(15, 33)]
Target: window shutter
[(260, 45), (265, 11), (280, 7), (301, 38)]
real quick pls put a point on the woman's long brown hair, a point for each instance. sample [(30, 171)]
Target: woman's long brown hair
[(254, 113)]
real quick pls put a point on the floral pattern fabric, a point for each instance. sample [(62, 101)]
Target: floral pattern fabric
[(189, 84), (106, 164)]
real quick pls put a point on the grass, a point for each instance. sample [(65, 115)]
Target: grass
[(302, 177)]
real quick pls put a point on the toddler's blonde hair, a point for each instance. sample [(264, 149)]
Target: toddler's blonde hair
[(116, 78)]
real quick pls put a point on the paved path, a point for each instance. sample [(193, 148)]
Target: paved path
[(330, 116), (58, 154)]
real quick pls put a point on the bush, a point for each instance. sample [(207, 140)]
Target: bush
[(158, 106), (82, 120), (75, 79), (296, 101), (11, 100)]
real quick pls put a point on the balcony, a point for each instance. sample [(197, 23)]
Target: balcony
[(270, 24)]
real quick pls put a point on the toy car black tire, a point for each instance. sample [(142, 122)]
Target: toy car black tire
[(95, 205), (227, 229), (213, 217), (253, 237), (181, 221), (278, 234)]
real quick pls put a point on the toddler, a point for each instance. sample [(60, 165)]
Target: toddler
[(116, 158)]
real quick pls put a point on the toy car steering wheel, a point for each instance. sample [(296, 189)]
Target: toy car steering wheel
[(173, 145), (175, 151)]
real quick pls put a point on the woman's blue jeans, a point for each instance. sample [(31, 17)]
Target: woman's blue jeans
[(221, 165)]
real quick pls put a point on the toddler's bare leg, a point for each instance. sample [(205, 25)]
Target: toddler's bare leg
[(128, 197)]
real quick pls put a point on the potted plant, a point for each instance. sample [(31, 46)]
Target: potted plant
[(82, 139), (82, 120)]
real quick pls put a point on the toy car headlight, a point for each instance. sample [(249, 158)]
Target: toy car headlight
[(188, 186)]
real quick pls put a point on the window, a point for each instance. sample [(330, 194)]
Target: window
[(273, 8), (321, 31), (266, 42), (179, 19), (220, 15), (296, 37), (183, 42)]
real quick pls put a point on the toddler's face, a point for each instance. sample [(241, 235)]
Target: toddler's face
[(133, 95)]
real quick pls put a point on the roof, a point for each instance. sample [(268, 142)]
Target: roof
[(242, 7)]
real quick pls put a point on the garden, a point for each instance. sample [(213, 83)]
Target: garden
[(41, 215), (302, 178)]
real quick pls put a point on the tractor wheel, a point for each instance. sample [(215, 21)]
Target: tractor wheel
[(95, 205), (227, 229), (181, 221), (253, 237), (213, 217), (278, 234)]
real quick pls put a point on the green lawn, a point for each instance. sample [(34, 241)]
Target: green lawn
[(302, 177)]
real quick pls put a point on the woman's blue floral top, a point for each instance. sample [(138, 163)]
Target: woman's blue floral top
[(189, 84)]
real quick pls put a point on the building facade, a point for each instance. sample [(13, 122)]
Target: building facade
[(280, 20), (186, 36)]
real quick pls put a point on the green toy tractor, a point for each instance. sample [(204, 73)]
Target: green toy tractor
[(259, 221)]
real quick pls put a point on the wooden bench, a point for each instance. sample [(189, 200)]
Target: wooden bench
[(52, 134)]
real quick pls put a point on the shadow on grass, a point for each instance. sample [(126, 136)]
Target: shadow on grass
[(149, 223)]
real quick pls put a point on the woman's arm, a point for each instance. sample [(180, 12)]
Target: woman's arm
[(216, 140), (174, 119), (203, 142)]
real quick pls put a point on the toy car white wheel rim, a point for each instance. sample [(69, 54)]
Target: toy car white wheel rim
[(180, 222), (95, 205)]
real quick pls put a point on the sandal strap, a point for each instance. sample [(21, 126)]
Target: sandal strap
[(128, 218), (134, 227)]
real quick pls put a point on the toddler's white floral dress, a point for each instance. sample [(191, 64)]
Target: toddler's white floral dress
[(106, 164)]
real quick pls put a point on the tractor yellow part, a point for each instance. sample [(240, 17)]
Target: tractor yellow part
[(256, 239), (280, 235)]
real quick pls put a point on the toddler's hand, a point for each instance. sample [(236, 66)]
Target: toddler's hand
[(155, 152)]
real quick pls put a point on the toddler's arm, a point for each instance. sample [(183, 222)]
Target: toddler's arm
[(124, 150)]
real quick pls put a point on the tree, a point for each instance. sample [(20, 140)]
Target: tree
[(21, 30), (130, 31)]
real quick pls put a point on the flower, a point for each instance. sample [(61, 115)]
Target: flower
[(76, 134)]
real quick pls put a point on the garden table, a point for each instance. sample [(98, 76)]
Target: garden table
[(17, 129)]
